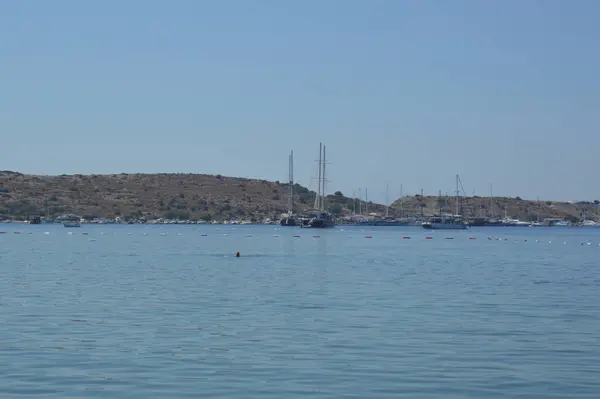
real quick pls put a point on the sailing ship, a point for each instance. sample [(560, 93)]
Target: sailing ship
[(454, 222), (288, 219), (319, 217), (387, 220)]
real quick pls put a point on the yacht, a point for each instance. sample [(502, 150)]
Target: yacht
[(445, 223), (319, 217), (288, 219), (389, 221), (71, 223), (455, 222)]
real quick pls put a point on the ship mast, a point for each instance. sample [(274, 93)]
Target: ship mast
[(324, 193), (387, 199), (318, 196), (401, 202), (360, 206), (291, 177), (457, 194), (491, 202)]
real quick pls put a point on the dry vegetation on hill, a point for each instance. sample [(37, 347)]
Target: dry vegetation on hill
[(196, 196), (173, 196), (498, 207)]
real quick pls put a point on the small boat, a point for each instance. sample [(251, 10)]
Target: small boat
[(71, 223)]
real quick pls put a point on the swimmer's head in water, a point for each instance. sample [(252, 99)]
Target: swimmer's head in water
[(237, 254)]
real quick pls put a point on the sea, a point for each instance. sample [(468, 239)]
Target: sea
[(169, 311)]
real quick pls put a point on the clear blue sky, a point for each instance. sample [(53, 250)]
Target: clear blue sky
[(410, 92)]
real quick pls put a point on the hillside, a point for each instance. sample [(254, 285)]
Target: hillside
[(172, 196), (498, 207), (207, 197)]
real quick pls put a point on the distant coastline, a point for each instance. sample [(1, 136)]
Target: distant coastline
[(129, 198)]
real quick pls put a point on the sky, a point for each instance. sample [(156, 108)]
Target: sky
[(403, 93)]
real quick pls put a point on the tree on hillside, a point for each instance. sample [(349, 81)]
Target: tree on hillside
[(207, 217), (336, 209)]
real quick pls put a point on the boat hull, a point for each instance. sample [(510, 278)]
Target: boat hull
[(289, 222), (444, 226), (382, 223), (71, 224), (318, 220), (318, 224)]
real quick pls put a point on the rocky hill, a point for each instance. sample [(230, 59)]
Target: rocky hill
[(207, 197), (498, 207), (172, 196)]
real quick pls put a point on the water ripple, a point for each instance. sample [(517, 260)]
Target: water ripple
[(150, 316)]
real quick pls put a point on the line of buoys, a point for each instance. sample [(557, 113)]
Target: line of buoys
[(405, 237)]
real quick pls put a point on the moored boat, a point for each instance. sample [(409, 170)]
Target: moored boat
[(319, 217), (383, 222), (288, 219), (445, 223), (441, 222)]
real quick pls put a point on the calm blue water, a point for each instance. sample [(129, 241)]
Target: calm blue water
[(145, 315)]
